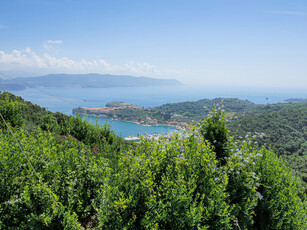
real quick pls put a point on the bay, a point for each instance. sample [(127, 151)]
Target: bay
[(65, 99)]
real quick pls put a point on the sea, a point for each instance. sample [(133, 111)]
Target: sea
[(65, 99)]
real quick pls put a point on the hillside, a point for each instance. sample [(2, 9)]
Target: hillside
[(180, 115), (35, 117), (183, 114), (284, 131), (87, 178), (84, 81), (234, 107)]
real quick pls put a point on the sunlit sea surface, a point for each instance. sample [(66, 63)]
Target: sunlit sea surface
[(65, 99)]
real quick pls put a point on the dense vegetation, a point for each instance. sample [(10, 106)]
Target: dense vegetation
[(233, 107), (33, 116), (188, 111), (195, 109), (92, 179), (115, 104), (284, 131), (191, 111)]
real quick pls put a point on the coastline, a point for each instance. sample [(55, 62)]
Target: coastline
[(135, 122)]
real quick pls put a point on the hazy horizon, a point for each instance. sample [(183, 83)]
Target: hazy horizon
[(220, 43)]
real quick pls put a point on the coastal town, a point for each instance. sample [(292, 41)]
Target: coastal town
[(166, 137)]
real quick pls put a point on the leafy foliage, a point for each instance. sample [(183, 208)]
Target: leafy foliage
[(167, 186), (68, 168), (97, 181), (214, 130), (285, 131), (281, 196), (17, 111)]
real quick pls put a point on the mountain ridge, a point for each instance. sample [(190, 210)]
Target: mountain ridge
[(90, 80)]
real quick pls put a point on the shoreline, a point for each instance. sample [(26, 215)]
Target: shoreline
[(135, 122)]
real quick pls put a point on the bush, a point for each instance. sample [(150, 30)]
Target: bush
[(214, 130), (11, 112), (166, 186)]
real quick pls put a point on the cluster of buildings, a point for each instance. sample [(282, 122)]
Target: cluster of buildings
[(166, 136)]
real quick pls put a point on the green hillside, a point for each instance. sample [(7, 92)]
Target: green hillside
[(87, 178), (233, 107), (284, 131), (184, 113)]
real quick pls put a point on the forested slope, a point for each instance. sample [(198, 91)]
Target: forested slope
[(233, 107), (21, 112), (284, 131)]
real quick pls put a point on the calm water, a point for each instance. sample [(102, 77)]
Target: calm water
[(65, 99)]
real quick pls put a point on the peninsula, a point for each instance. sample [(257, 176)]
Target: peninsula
[(91, 80), (181, 115), (133, 113)]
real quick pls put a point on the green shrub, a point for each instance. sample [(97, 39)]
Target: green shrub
[(214, 130), (166, 186), (11, 111)]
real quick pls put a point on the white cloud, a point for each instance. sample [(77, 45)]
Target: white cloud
[(52, 45), (28, 60), (21, 58), (140, 68), (58, 42)]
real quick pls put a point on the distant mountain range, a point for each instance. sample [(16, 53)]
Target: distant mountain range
[(296, 100), (83, 81)]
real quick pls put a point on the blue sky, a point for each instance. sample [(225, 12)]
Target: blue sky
[(205, 42)]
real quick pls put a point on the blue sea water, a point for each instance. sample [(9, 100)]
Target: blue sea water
[(65, 99)]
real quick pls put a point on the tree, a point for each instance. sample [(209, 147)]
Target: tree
[(214, 130)]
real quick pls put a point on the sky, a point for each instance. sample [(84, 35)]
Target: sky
[(259, 43)]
